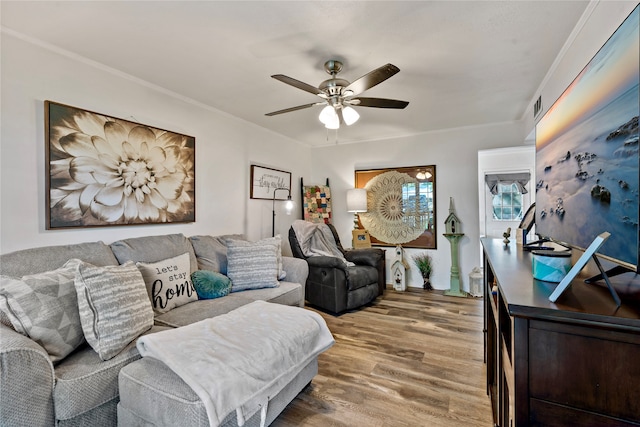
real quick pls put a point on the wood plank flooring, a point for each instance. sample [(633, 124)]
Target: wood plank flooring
[(412, 358)]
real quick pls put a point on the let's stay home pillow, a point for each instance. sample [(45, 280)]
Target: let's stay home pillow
[(168, 282)]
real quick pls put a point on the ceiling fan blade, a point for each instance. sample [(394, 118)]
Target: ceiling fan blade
[(298, 84), (379, 103), (372, 78), (299, 107)]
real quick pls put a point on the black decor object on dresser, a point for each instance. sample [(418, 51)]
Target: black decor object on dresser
[(572, 362)]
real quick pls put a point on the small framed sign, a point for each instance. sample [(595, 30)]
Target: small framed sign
[(265, 181), (361, 239)]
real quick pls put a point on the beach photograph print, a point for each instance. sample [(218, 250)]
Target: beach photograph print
[(105, 171), (587, 152)]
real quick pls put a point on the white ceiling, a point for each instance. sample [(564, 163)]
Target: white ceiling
[(463, 63)]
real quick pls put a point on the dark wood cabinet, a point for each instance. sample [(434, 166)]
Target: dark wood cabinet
[(575, 362)]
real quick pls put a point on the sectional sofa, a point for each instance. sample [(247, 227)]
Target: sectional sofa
[(81, 388)]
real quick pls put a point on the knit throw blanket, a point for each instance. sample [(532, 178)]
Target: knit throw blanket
[(239, 360), (317, 240)]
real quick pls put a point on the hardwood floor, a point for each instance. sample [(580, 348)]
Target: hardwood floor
[(412, 358)]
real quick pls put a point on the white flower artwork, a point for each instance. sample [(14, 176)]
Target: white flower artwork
[(108, 171)]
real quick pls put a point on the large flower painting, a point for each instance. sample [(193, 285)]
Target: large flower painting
[(107, 171)]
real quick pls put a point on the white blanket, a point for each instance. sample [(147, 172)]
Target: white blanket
[(239, 360), (317, 240)]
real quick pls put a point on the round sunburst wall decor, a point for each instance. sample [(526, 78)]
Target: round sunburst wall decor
[(384, 218)]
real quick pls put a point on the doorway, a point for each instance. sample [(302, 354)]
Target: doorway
[(503, 192)]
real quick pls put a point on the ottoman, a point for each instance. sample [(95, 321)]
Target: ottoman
[(153, 395)]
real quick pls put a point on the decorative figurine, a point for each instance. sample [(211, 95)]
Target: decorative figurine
[(506, 236)]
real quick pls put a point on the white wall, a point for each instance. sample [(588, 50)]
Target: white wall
[(454, 153), (225, 147), (598, 23)]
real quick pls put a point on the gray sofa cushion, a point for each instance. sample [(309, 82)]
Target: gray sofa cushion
[(200, 310), (211, 251), (47, 258), (287, 294), (84, 381), (153, 249)]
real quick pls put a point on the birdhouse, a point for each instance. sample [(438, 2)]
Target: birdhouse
[(399, 270), (452, 223)]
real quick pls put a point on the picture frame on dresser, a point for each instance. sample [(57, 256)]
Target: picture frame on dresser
[(106, 171), (361, 239), (589, 253)]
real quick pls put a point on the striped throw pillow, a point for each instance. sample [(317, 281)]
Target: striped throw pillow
[(251, 266), (114, 306)]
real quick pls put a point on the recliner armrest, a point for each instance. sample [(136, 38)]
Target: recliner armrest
[(326, 262), (367, 256)]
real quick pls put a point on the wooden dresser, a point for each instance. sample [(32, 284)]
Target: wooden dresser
[(575, 362)]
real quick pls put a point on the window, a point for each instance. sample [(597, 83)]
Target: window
[(507, 204), (417, 204)]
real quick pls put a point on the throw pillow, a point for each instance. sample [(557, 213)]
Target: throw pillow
[(44, 307), (252, 265), (168, 282), (211, 251), (277, 242), (113, 305), (210, 284)]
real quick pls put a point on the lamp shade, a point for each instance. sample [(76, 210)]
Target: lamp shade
[(357, 200)]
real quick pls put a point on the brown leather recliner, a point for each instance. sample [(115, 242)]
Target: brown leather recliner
[(334, 287)]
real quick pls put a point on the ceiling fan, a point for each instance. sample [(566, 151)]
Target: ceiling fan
[(338, 95)]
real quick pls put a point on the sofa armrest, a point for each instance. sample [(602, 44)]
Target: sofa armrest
[(368, 256), (296, 268), (27, 378)]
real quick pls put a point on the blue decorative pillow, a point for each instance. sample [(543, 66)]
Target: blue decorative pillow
[(210, 284)]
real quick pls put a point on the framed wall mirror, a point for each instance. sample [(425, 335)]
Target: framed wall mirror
[(401, 206)]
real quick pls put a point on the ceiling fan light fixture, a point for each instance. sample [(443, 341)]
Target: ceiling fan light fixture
[(329, 117), (422, 175), (340, 93), (350, 115), (335, 124)]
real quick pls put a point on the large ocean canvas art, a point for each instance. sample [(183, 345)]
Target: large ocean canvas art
[(587, 152)]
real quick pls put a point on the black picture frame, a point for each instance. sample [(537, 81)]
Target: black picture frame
[(529, 219), (103, 171), (265, 181)]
